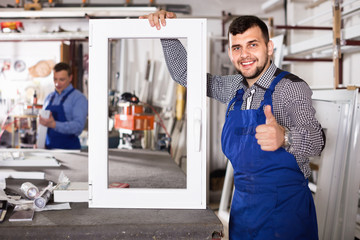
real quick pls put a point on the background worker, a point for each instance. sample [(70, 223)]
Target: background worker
[(269, 132), (69, 109)]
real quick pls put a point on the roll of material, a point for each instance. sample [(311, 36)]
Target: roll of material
[(42, 200), (29, 190)]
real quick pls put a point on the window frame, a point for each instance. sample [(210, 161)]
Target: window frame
[(194, 195)]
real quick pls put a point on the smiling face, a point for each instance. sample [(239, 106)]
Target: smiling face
[(250, 54), (61, 80)]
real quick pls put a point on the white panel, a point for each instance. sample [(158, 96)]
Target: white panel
[(8, 173), (42, 130), (345, 227), (334, 110), (75, 192), (27, 159), (194, 196), (226, 195)]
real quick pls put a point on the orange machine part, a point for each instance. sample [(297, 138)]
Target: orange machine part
[(132, 117), (132, 109), (134, 122)]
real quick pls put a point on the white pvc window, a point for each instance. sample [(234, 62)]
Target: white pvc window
[(103, 33)]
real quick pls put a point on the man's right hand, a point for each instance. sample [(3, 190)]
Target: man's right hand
[(156, 16), (48, 122)]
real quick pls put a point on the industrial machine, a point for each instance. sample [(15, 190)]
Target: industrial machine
[(133, 123)]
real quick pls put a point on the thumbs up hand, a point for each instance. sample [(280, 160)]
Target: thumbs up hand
[(270, 136)]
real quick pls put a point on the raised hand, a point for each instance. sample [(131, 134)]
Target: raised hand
[(270, 136), (158, 17)]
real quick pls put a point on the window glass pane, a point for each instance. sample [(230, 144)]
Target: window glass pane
[(147, 118)]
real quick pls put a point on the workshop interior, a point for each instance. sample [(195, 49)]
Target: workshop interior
[(146, 110), (158, 155)]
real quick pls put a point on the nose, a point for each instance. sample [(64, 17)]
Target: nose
[(244, 53)]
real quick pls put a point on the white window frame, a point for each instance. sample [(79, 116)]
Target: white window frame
[(194, 195)]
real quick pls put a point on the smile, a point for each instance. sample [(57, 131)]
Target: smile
[(247, 63)]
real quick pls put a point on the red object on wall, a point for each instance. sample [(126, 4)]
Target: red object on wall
[(11, 26)]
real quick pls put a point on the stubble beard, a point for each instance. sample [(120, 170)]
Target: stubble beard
[(258, 71)]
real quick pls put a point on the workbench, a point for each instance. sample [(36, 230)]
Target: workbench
[(82, 222)]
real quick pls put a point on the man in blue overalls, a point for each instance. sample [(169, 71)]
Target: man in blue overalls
[(69, 109), (270, 131)]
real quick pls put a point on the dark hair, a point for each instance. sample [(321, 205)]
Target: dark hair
[(243, 23), (62, 66)]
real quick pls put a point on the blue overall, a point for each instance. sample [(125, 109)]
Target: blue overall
[(55, 139), (271, 198)]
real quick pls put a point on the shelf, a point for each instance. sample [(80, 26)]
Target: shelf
[(65, 12), (44, 36), (324, 41), (58, 12)]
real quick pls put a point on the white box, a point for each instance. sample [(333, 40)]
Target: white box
[(75, 192)]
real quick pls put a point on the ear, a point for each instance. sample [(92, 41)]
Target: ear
[(270, 48), (71, 78)]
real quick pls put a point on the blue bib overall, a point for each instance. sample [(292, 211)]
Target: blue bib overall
[(271, 198), (55, 139)]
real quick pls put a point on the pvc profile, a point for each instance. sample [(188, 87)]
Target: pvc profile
[(308, 59), (303, 27), (350, 43)]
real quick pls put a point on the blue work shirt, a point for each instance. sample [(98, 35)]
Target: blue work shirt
[(75, 108)]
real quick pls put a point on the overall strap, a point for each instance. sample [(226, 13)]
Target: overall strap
[(52, 99), (239, 95), (66, 95), (267, 96)]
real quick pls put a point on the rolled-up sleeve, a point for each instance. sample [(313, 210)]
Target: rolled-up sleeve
[(221, 88), (308, 138)]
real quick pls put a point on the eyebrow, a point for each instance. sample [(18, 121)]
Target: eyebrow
[(249, 42)]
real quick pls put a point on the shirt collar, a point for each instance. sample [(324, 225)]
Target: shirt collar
[(265, 80), (66, 90)]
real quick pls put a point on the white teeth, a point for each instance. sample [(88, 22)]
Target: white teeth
[(247, 63)]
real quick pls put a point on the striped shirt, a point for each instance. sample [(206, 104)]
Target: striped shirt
[(292, 104)]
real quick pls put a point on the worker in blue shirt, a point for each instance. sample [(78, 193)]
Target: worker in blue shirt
[(69, 109)]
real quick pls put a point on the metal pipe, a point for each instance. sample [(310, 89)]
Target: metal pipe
[(308, 59), (302, 27), (351, 42)]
